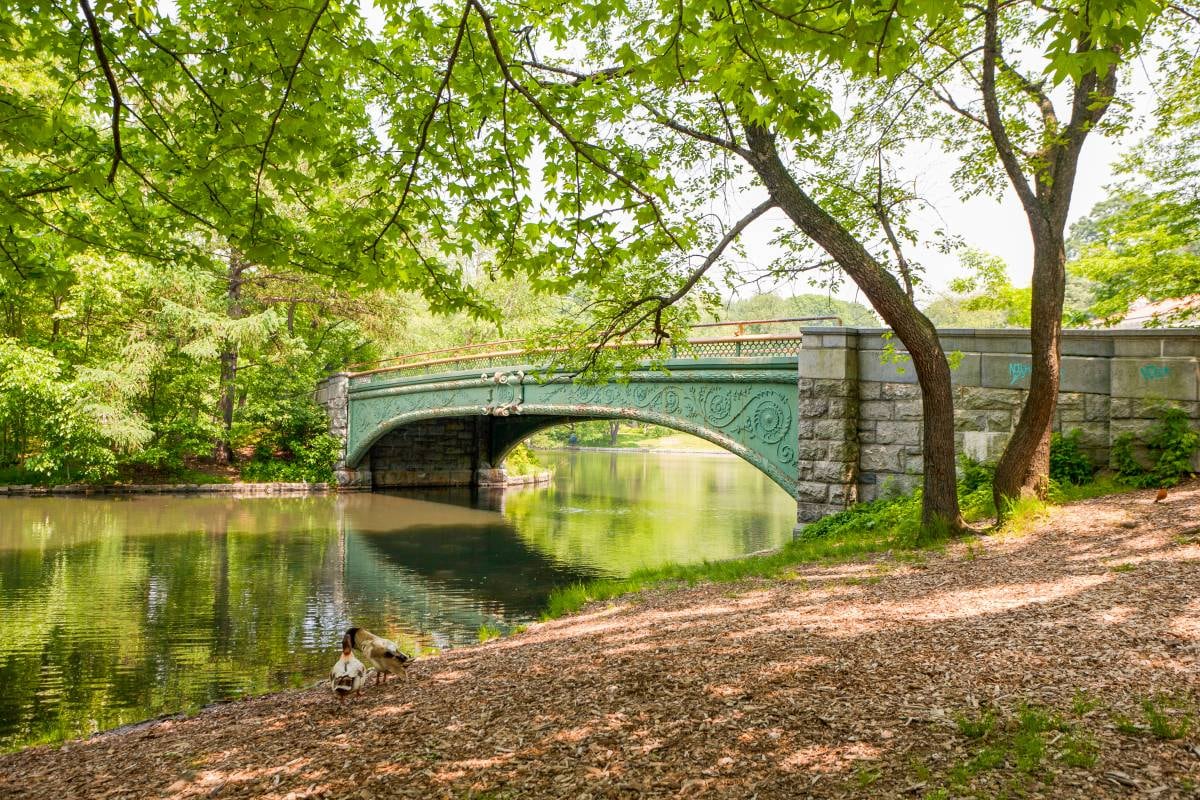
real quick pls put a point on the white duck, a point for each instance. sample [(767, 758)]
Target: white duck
[(380, 653), (348, 674)]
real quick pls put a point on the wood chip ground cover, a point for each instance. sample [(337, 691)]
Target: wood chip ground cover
[(1062, 662)]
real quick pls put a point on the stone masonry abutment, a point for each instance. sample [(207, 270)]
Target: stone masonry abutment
[(859, 421)]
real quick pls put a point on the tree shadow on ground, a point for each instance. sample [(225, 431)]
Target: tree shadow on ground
[(848, 680)]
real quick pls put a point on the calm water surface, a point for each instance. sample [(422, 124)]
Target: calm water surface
[(113, 610)]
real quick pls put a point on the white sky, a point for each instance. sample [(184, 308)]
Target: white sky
[(983, 223)]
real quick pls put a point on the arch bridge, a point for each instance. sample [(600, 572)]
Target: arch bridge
[(450, 417)]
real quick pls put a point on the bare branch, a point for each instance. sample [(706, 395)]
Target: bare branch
[(687, 130), (881, 211), (659, 302), (995, 123)]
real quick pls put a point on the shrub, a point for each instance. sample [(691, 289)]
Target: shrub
[(291, 442), (1170, 446), (974, 474), (522, 461), (1068, 462)]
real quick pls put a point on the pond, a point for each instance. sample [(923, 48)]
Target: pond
[(115, 610)]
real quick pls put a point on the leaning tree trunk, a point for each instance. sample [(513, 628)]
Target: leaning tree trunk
[(939, 505), (1024, 468)]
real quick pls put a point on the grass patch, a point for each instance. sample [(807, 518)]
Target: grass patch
[(1079, 750), (1083, 703), (1126, 567), (1019, 746), (975, 727), (866, 776), (1101, 485), (1162, 724), (487, 631), (1165, 719), (890, 525)]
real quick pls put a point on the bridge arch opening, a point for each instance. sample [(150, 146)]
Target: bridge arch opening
[(470, 449)]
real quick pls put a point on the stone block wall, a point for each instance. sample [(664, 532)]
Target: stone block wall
[(433, 452), (861, 432)]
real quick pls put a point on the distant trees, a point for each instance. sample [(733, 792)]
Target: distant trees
[(774, 306), (1144, 242)]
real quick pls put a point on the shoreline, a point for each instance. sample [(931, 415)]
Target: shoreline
[(246, 489), (823, 677), (235, 489)]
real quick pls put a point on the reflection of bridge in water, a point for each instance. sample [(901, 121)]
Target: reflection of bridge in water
[(450, 417), (437, 570)]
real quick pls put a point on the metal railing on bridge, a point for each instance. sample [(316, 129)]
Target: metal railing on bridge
[(747, 341)]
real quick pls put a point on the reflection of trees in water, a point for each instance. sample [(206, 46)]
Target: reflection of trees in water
[(490, 566), (117, 609)]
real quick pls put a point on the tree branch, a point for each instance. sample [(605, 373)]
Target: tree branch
[(113, 90), (1035, 92), (287, 91), (995, 123), (423, 135), (576, 145)]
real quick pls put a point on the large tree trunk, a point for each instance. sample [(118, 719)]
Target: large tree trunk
[(1024, 468), (939, 509), (223, 450)]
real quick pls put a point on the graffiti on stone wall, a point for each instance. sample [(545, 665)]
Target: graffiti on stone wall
[(1154, 372), (1018, 371)]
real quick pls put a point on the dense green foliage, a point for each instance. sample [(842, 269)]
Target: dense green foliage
[(1168, 449), (522, 461), (1068, 462)]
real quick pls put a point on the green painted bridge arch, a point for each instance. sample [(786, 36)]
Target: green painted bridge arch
[(452, 420)]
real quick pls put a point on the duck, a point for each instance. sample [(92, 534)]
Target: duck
[(348, 674), (382, 654)]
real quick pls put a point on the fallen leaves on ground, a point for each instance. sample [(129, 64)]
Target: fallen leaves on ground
[(1062, 662)]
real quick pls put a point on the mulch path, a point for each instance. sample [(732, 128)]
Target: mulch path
[(844, 681)]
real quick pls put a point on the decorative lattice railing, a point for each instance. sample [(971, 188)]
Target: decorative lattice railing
[(746, 342)]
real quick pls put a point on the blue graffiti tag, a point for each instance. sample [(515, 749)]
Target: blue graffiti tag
[(1154, 372), (1017, 371)]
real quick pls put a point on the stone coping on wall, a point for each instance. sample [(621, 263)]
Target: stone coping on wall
[(1143, 363), (236, 489), (1133, 342)]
